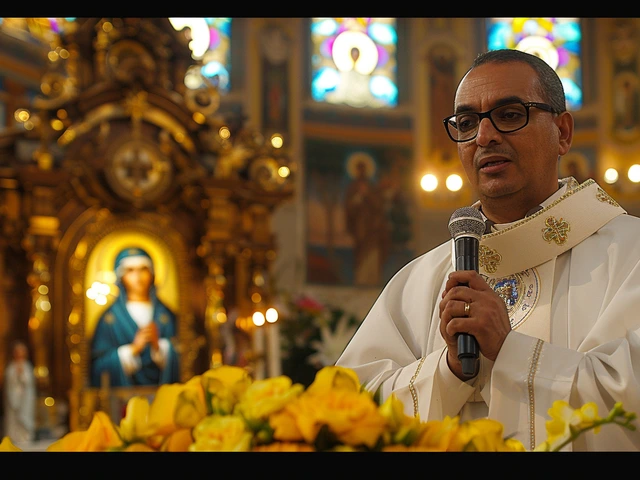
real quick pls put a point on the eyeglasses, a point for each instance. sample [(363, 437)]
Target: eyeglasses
[(463, 127)]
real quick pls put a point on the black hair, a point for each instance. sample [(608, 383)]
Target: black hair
[(549, 83)]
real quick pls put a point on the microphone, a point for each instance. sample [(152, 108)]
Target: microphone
[(466, 227)]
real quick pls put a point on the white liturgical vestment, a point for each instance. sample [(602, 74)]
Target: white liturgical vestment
[(570, 277)]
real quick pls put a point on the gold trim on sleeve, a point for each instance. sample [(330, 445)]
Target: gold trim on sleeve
[(533, 369), (412, 389)]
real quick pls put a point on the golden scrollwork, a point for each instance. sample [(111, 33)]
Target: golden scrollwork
[(489, 259), (605, 197), (556, 230)]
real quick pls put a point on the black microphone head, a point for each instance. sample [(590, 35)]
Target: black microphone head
[(466, 221)]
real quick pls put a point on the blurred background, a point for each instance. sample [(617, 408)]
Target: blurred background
[(278, 171)]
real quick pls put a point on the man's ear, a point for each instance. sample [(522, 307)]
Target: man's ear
[(564, 121)]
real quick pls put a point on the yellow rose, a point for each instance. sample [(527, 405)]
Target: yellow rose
[(485, 435), (224, 386), (7, 446), (439, 434), (334, 377), (284, 447), (351, 416), (190, 408), (221, 433), (138, 447), (513, 445), (178, 441), (401, 428), (264, 397), (176, 406), (134, 427), (99, 437), (285, 428), (398, 447)]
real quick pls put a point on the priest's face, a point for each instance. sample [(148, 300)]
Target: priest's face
[(511, 172), (137, 280)]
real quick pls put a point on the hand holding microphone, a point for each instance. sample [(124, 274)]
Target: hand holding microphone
[(466, 226), (472, 314)]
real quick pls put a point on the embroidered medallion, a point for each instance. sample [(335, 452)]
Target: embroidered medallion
[(489, 259), (556, 230), (164, 318), (520, 293), (109, 318), (605, 197)]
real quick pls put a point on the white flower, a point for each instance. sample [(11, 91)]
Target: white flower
[(331, 345)]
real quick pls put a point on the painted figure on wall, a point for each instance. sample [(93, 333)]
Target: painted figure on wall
[(626, 79), (20, 396), (359, 227), (276, 50), (366, 221), (133, 339)]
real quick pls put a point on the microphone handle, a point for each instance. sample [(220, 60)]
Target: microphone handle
[(467, 249)]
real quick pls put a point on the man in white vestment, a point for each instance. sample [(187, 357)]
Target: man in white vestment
[(555, 303)]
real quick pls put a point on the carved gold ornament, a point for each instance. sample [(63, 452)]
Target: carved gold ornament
[(556, 230)]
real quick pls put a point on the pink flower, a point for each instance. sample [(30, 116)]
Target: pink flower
[(309, 304)]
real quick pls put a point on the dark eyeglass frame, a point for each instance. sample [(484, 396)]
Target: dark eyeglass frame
[(487, 114)]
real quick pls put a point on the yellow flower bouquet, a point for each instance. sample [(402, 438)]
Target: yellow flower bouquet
[(225, 410)]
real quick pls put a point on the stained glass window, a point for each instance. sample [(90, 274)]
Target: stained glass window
[(555, 40), (210, 43), (354, 62)]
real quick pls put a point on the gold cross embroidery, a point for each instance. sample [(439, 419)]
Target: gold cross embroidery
[(489, 259), (556, 230)]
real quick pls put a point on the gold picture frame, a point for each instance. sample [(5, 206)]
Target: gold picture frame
[(92, 261)]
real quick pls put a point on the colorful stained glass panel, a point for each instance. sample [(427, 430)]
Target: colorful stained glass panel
[(555, 40), (354, 61)]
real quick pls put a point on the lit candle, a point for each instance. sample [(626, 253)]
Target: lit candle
[(273, 350), (258, 351)]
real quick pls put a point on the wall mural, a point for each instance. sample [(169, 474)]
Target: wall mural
[(626, 80), (358, 208)]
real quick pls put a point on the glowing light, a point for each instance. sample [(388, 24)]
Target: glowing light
[(21, 115), (634, 173), (199, 33), (611, 176), (454, 182), (272, 315), (284, 172), (224, 132), (429, 182), (258, 319), (277, 141)]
